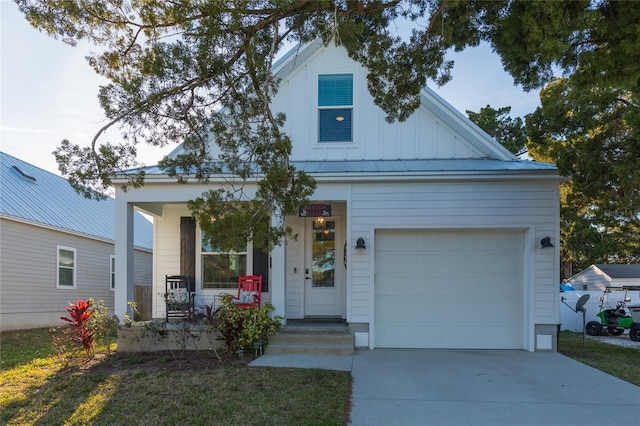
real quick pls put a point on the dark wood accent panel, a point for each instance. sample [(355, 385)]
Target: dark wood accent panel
[(188, 249)]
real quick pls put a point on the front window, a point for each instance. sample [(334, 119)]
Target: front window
[(335, 108), (66, 262), (220, 270)]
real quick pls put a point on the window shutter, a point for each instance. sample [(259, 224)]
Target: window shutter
[(188, 250), (261, 266)]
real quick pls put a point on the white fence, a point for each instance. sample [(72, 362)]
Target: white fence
[(570, 320)]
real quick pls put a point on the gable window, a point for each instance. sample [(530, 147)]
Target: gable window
[(66, 262), (112, 275), (335, 107), (221, 269)]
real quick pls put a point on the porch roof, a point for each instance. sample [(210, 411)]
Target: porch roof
[(401, 167)]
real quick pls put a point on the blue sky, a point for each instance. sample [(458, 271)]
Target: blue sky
[(49, 93)]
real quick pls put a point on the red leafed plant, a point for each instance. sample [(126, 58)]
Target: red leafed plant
[(77, 331)]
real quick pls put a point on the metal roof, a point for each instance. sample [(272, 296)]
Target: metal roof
[(620, 271), (497, 158), (37, 196), (425, 165), (350, 167)]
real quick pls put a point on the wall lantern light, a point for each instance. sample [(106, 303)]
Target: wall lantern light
[(360, 244), (546, 242)]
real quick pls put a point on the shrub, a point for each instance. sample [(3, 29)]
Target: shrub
[(104, 327), (241, 328), (128, 321), (77, 330)]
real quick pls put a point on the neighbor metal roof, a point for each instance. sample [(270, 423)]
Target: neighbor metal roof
[(34, 195)]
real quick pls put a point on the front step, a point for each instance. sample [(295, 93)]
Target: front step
[(312, 339)]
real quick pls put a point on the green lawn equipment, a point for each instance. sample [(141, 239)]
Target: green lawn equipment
[(615, 320)]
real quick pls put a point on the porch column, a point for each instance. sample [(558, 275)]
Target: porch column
[(278, 276), (124, 257)]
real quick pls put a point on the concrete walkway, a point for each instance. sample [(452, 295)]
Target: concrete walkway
[(451, 387)]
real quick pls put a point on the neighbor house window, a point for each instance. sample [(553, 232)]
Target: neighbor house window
[(112, 275), (221, 269), (335, 107), (66, 267)]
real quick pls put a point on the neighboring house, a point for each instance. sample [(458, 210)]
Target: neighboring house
[(57, 247), (600, 276), (421, 234)]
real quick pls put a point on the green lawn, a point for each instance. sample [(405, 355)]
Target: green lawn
[(37, 388), (618, 361)]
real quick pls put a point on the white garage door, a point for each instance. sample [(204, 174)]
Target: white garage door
[(449, 289)]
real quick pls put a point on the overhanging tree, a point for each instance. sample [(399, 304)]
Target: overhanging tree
[(592, 136), (199, 72), (509, 131), (589, 125)]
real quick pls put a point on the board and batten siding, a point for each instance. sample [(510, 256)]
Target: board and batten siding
[(28, 271), (422, 135), (457, 205)]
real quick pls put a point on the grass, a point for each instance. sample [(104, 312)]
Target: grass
[(621, 362), (37, 387), (23, 346)]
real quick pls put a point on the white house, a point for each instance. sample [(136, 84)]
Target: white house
[(600, 276), (421, 234), (57, 247)]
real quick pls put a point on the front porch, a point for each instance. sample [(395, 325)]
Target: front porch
[(306, 275), (297, 337)]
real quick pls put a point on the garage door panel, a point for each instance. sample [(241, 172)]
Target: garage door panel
[(449, 289), (427, 262), (401, 309), (407, 286), (447, 335)]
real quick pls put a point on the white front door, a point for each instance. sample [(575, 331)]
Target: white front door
[(324, 268)]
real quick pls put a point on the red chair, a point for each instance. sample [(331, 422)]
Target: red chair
[(249, 291)]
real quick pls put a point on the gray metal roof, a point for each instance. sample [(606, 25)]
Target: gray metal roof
[(620, 271), (426, 166), (34, 195), (497, 158)]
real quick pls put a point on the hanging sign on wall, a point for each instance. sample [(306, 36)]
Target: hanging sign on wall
[(315, 210)]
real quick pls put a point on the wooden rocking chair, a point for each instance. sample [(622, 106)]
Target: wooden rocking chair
[(249, 291), (179, 297)]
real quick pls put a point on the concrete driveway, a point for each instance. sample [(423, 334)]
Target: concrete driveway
[(475, 388), (449, 387)]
